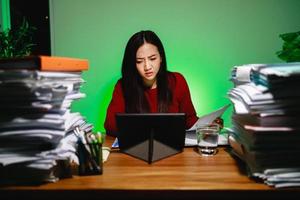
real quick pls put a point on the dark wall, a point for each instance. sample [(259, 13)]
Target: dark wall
[(37, 15)]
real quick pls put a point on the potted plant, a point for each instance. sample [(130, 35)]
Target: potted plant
[(17, 42), (291, 47)]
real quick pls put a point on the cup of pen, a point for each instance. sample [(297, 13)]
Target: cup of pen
[(90, 155), (96, 148), (207, 139)]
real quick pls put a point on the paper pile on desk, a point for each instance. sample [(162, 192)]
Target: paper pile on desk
[(265, 122), (36, 140)]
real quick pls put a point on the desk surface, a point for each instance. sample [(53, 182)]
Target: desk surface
[(184, 175)]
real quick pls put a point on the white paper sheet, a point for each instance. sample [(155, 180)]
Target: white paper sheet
[(209, 118)]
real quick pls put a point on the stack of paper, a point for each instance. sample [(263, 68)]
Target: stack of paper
[(265, 128), (36, 124)]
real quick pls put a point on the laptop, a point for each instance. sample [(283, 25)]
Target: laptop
[(151, 136)]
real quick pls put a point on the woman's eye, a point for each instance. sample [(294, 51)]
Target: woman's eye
[(153, 58), (138, 61)]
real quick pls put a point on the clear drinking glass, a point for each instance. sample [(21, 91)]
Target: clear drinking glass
[(207, 139)]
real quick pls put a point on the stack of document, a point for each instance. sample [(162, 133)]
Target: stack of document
[(265, 128), (241, 74), (37, 142)]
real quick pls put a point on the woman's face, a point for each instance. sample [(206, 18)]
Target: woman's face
[(148, 62)]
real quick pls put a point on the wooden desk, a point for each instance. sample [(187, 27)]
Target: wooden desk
[(185, 175)]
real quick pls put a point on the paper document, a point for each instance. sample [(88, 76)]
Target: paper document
[(209, 118), (105, 153), (115, 144)]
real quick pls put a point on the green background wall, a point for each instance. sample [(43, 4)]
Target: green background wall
[(203, 39), (4, 15)]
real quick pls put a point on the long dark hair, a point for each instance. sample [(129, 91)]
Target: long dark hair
[(132, 83)]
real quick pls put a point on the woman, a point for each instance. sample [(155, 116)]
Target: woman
[(146, 85)]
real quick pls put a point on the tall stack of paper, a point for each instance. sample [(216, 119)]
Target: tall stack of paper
[(36, 123), (265, 132)]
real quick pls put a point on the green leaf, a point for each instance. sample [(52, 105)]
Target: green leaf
[(291, 47), (17, 42)]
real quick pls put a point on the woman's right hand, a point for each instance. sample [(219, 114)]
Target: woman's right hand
[(219, 121)]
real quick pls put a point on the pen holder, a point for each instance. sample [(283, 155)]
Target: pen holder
[(90, 158)]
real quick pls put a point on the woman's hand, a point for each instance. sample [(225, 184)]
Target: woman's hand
[(219, 121)]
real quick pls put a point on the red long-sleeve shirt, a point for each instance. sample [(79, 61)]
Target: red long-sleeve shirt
[(181, 102)]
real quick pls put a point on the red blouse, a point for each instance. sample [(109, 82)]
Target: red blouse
[(181, 102)]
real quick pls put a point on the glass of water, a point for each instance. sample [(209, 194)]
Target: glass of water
[(207, 139)]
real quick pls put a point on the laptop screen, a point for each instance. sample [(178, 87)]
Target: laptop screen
[(151, 136)]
